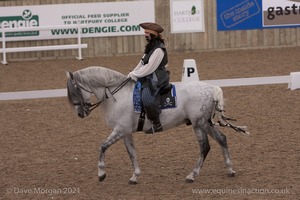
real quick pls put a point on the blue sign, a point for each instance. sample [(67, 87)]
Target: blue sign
[(239, 14)]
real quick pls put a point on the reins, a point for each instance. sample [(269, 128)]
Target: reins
[(120, 86), (88, 107)]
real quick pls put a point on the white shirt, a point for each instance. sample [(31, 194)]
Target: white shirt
[(143, 70)]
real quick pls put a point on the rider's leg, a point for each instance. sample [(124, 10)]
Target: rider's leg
[(152, 110)]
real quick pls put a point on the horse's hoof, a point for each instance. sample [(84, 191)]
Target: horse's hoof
[(102, 177), (187, 180), (231, 174), (132, 182)]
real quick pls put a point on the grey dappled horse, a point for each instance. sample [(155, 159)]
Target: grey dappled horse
[(197, 104)]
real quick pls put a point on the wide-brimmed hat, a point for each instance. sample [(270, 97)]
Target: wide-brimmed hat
[(152, 28)]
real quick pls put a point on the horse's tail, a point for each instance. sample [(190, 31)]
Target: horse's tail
[(218, 98), (219, 112)]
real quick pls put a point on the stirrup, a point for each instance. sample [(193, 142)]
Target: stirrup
[(154, 129)]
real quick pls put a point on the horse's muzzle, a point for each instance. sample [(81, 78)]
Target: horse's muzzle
[(82, 112), (81, 115)]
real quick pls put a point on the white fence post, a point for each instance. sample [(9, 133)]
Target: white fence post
[(79, 42), (3, 47)]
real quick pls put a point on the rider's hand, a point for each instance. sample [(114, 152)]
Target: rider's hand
[(133, 77)]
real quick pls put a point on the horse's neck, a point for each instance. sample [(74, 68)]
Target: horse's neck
[(119, 94), (114, 92), (102, 76)]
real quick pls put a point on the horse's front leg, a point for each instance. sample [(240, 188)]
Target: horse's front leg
[(128, 140), (113, 138)]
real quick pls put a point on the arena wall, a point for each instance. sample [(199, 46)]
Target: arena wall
[(211, 39)]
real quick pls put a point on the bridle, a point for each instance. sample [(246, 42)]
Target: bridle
[(89, 107)]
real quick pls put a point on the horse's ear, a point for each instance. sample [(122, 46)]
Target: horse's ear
[(70, 75)]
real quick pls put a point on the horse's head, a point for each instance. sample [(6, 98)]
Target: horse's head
[(79, 97), (92, 80)]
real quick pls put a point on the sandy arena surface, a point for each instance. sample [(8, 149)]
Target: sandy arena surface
[(47, 152)]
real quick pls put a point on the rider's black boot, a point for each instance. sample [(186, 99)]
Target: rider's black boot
[(153, 114)]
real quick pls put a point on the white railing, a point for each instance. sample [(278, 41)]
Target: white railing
[(292, 84), (78, 46)]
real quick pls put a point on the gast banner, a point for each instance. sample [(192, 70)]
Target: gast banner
[(257, 14), (281, 13), (98, 19)]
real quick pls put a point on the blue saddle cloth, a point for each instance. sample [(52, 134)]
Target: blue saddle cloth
[(137, 95), (166, 101)]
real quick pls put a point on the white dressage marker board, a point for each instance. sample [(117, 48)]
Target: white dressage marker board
[(189, 71), (295, 81)]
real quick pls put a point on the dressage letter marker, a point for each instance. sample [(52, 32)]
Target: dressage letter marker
[(189, 72)]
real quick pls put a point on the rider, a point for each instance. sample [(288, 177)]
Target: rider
[(152, 73)]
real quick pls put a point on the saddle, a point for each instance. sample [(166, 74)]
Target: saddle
[(166, 99)]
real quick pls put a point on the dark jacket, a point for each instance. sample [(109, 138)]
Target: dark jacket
[(160, 77)]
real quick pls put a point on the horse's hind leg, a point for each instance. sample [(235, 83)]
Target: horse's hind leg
[(128, 140), (204, 149), (222, 141)]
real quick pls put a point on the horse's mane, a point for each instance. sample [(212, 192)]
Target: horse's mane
[(96, 76)]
